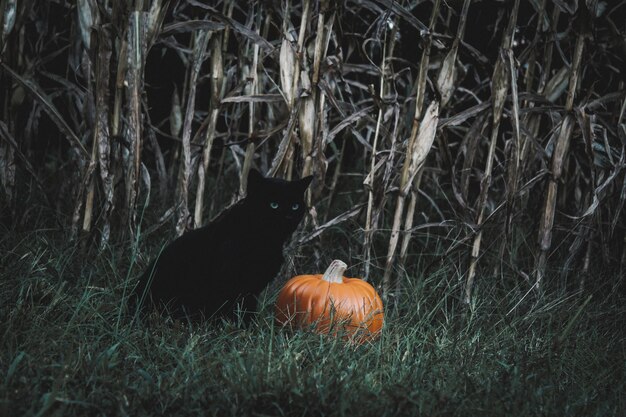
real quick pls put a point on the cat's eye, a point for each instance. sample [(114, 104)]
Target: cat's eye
[(274, 205), (295, 206)]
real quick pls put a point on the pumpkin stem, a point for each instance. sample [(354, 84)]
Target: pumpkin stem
[(335, 271)]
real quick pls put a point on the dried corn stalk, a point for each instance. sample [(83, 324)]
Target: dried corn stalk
[(287, 68), (415, 134), (102, 130), (7, 164), (290, 71), (100, 138), (530, 121), (417, 150), (313, 104), (134, 85), (287, 62), (252, 89), (217, 82), (370, 218), (8, 14), (558, 162), (200, 45), (514, 161), (446, 78), (500, 86)]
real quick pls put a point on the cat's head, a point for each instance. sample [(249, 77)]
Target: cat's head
[(276, 201)]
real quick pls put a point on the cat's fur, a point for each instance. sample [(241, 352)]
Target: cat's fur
[(207, 272)]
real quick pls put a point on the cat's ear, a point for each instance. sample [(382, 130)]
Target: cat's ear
[(254, 178), (303, 183)]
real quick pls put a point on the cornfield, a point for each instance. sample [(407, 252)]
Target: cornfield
[(490, 134)]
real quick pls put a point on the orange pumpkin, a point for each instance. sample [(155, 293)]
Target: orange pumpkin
[(331, 303)]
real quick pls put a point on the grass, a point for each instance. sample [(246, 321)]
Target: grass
[(68, 348)]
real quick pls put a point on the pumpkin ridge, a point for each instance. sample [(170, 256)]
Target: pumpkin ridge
[(325, 314)]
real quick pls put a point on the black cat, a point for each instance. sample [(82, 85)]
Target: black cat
[(207, 272)]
